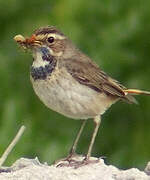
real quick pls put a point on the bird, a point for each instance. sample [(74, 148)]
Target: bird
[(69, 82)]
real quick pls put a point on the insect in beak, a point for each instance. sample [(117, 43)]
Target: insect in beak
[(27, 43)]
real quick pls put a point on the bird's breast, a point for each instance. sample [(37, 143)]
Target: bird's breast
[(62, 93)]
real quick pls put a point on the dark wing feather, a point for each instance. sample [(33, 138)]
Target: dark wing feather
[(89, 74)]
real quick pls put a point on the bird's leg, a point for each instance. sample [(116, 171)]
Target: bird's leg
[(74, 146), (78, 163), (97, 121), (72, 154)]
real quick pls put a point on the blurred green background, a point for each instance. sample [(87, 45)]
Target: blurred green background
[(116, 34)]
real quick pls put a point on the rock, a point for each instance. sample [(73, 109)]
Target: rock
[(32, 169)]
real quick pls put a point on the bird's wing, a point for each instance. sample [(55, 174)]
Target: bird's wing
[(89, 74)]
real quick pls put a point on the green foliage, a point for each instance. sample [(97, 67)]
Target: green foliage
[(116, 35)]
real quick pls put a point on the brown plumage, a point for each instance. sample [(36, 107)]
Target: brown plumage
[(89, 74), (48, 30)]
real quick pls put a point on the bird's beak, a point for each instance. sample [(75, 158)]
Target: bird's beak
[(27, 43)]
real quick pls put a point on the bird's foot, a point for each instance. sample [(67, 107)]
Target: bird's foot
[(76, 161), (67, 160)]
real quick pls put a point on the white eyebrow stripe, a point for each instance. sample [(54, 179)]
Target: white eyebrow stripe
[(56, 36)]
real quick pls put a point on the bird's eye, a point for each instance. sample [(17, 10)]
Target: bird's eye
[(50, 39)]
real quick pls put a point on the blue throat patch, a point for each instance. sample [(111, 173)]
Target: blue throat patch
[(43, 71)]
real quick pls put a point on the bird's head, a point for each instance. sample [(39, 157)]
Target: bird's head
[(45, 43)]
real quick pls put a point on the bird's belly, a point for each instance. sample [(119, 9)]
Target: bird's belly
[(65, 95)]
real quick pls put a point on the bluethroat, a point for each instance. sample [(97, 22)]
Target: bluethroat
[(69, 82)]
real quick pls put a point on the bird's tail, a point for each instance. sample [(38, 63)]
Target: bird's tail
[(130, 92), (136, 92)]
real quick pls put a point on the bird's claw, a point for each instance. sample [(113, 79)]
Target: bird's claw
[(76, 161)]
